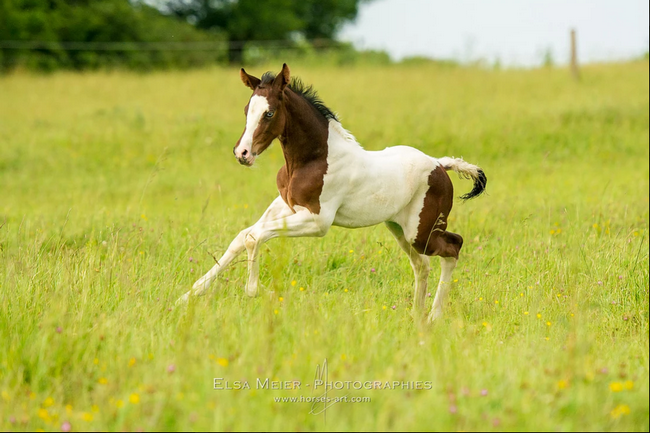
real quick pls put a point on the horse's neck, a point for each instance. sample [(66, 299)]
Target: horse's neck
[(304, 139)]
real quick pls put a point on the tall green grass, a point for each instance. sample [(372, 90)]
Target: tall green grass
[(117, 190)]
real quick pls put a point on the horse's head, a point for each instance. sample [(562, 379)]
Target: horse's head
[(265, 114)]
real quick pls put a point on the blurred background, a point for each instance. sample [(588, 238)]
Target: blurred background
[(46, 35), (119, 189)]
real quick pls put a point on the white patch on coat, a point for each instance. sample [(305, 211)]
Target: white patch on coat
[(362, 188), (257, 107)]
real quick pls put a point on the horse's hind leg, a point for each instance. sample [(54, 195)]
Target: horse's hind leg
[(278, 209), (447, 246), (419, 263)]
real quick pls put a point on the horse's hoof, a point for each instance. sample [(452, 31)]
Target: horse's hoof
[(183, 299), (433, 316)]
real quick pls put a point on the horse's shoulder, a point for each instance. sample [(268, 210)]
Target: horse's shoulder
[(282, 179)]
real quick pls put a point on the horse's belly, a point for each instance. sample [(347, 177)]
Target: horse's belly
[(351, 216)]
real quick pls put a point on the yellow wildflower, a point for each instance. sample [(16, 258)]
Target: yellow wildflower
[(616, 387), (620, 410)]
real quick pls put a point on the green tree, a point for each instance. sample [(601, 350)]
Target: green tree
[(268, 20), (81, 34)]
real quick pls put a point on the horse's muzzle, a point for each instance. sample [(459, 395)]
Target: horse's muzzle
[(247, 160), (244, 161), (245, 157)]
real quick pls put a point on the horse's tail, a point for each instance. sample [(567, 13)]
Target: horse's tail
[(468, 171)]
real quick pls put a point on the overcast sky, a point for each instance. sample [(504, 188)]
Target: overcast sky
[(517, 32)]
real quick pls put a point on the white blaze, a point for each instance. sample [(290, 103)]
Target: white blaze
[(257, 106)]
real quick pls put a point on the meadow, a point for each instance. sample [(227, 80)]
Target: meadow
[(119, 189)]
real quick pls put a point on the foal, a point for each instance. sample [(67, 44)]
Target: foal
[(329, 179)]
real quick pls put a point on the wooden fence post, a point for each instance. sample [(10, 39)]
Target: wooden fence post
[(574, 57)]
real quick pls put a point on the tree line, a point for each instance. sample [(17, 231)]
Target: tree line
[(145, 34)]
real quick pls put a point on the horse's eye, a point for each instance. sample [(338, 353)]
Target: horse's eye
[(270, 114)]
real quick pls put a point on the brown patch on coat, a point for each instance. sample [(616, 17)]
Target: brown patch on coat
[(304, 144), (432, 238), (282, 181)]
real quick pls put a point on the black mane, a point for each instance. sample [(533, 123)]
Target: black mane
[(305, 91)]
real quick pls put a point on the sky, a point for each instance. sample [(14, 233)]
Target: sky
[(514, 32)]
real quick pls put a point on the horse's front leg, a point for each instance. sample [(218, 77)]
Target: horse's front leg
[(277, 209), (301, 224)]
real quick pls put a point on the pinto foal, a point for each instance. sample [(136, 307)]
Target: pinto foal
[(329, 179)]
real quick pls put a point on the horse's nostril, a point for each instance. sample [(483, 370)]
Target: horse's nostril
[(244, 153)]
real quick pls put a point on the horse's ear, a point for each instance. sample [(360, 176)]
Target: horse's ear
[(249, 80), (283, 78)]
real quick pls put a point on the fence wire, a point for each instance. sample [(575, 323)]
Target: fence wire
[(161, 46)]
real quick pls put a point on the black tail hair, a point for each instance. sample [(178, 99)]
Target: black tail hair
[(479, 186)]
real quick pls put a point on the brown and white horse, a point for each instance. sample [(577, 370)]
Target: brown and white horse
[(329, 179)]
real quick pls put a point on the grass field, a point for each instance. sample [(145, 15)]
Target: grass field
[(117, 189)]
